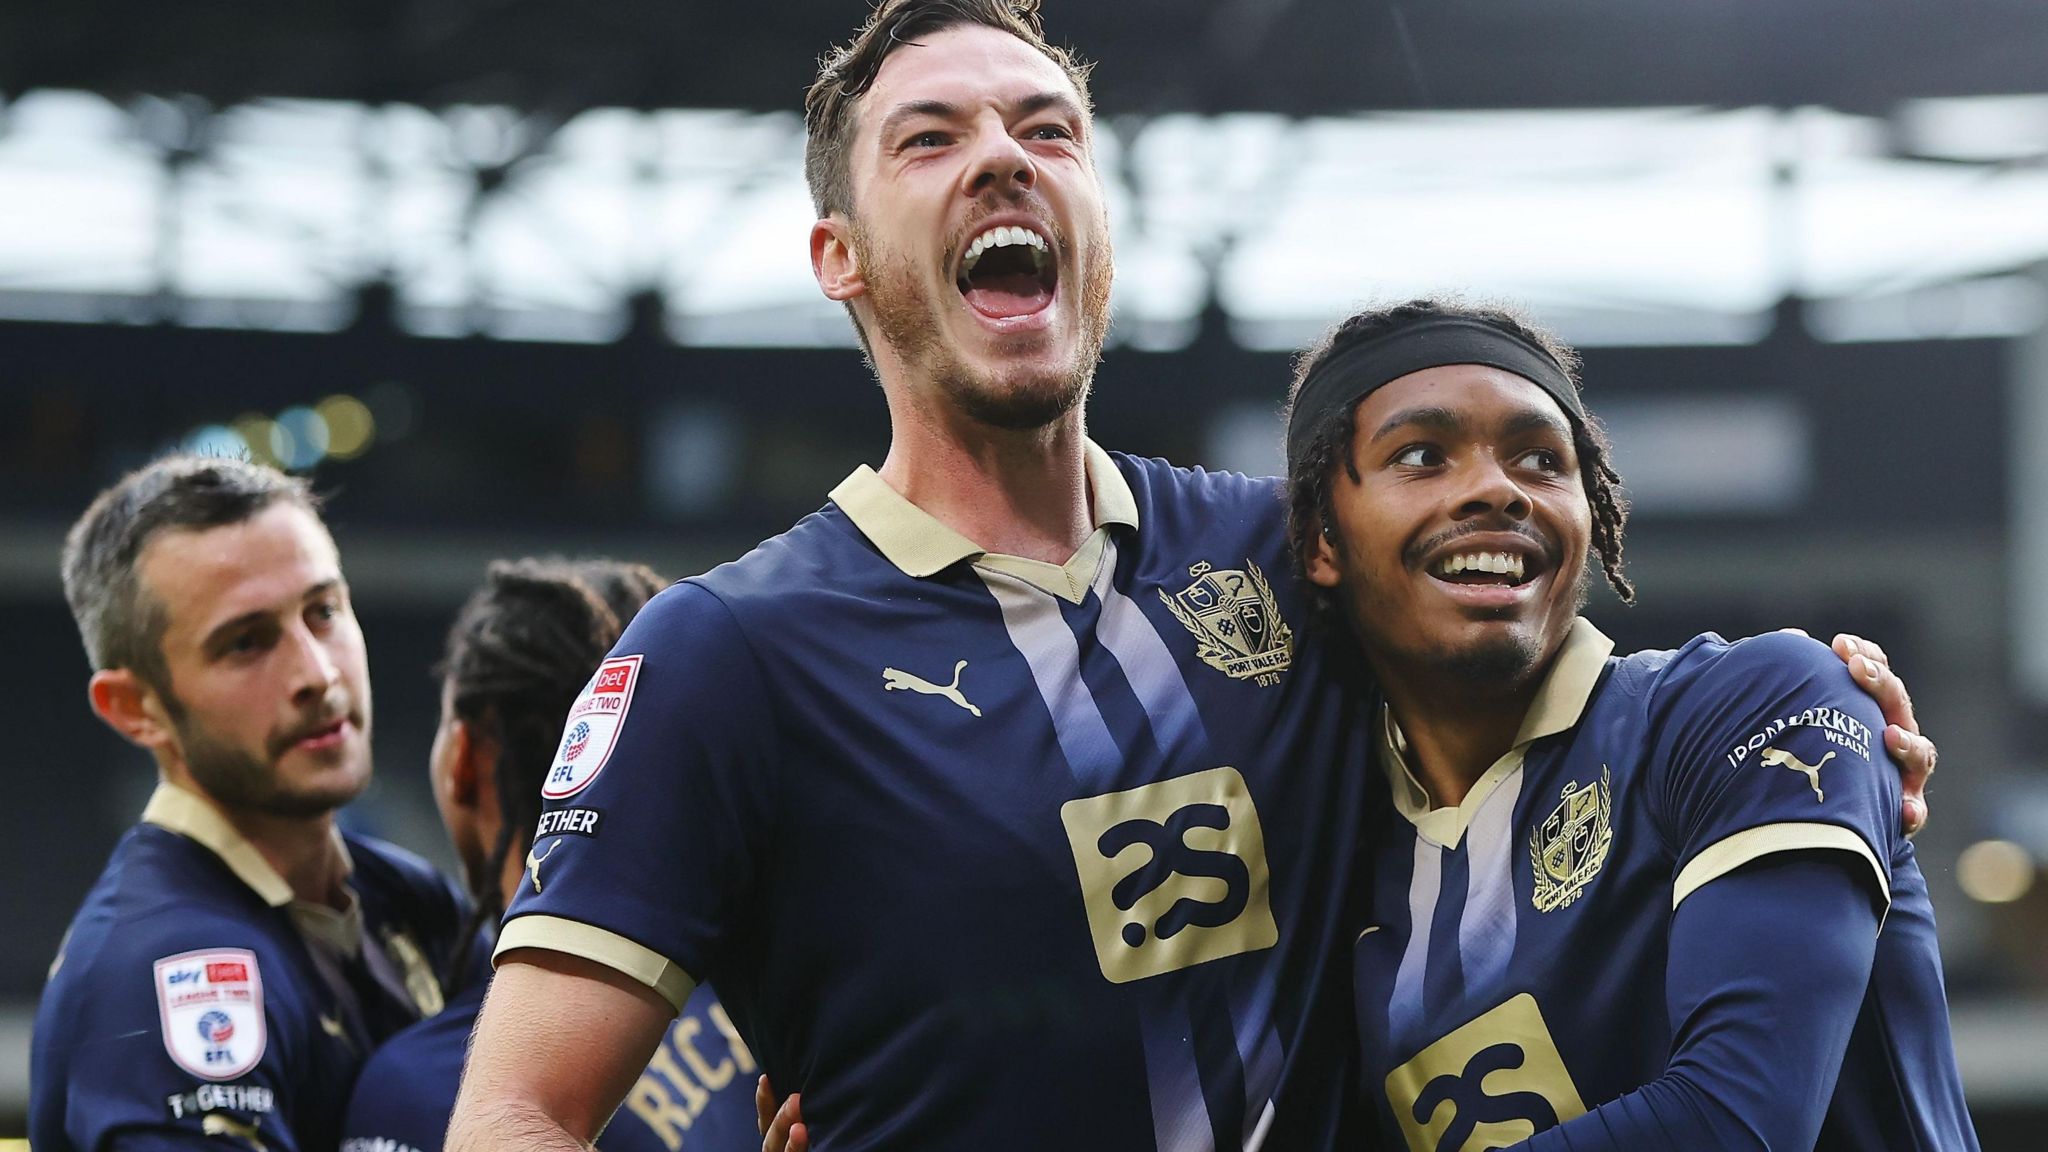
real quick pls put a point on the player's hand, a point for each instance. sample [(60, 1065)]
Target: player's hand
[(782, 1129), (1916, 754)]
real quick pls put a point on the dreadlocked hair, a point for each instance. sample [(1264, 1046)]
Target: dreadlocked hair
[(1311, 508), (520, 650)]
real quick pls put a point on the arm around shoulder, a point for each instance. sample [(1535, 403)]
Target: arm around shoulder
[(559, 1043)]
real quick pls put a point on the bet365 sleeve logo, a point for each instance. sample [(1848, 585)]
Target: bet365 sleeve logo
[(1173, 874)]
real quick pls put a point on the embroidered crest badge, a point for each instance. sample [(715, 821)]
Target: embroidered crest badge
[(1568, 848), (210, 1005), (1235, 620)]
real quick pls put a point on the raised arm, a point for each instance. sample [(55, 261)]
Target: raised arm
[(560, 1041), (1768, 969)]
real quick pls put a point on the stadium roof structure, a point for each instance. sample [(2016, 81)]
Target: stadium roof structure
[(1294, 57)]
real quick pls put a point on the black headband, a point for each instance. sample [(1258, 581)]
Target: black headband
[(1357, 371)]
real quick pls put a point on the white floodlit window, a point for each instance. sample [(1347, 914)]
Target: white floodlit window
[(1654, 225), (271, 217), (80, 191)]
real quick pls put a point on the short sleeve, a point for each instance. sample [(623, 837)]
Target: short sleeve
[(1769, 746), (655, 806), (175, 1042)]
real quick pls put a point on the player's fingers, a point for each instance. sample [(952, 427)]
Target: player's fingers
[(1887, 688), (764, 1104), (1849, 644), (1916, 755), (786, 1132)]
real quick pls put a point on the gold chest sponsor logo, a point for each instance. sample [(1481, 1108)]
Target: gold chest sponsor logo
[(1235, 620), (1491, 1084), (1568, 848), (1173, 874)]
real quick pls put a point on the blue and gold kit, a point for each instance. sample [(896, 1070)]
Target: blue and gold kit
[(194, 998), (981, 851), (696, 1095), (1514, 972)]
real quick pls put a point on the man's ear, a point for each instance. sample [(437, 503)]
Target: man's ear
[(469, 768), (1322, 559), (833, 260), (130, 707)]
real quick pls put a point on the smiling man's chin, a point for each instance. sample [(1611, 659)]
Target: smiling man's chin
[(1504, 658)]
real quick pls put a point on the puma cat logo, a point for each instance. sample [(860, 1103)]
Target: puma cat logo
[(1787, 760), (533, 863), (216, 1124), (894, 680)]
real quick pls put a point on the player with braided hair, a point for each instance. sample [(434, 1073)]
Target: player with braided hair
[(519, 652), (1314, 463), (1616, 902)]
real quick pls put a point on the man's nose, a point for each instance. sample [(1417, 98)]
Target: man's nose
[(1491, 488), (314, 668), (1001, 163)]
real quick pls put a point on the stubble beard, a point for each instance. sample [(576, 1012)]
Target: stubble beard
[(1501, 661), (1020, 401), (240, 781)]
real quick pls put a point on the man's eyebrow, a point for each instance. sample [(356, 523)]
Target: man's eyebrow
[(1536, 420), (1436, 419), (942, 110), (226, 628), (1040, 101), (937, 109)]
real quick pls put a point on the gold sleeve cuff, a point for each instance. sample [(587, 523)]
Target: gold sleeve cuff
[(575, 938), (1725, 856)]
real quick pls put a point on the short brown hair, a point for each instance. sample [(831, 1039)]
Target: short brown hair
[(121, 624), (848, 71)]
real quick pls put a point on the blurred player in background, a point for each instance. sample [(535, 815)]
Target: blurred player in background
[(520, 650), (240, 955), (1651, 886), (1001, 799)]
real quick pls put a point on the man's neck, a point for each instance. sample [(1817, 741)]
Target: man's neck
[(1455, 731), (301, 849), (1020, 493)]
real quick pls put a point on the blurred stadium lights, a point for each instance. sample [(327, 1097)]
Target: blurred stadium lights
[(1995, 871), (298, 439), (1647, 225)]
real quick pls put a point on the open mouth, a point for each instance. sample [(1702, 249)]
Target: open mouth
[(1008, 271), (1496, 569)]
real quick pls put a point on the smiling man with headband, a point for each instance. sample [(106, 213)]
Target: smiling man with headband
[(1659, 900)]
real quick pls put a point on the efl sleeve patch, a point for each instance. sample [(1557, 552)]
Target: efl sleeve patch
[(211, 1007), (593, 728)]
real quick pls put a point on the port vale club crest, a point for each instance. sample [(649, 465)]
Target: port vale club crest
[(1235, 621), (1571, 844)]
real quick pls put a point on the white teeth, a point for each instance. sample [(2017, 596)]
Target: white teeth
[(1003, 238), (1499, 563)]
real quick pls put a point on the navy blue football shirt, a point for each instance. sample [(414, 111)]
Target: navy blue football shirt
[(1514, 975), (981, 851), (194, 997), (696, 1095)]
